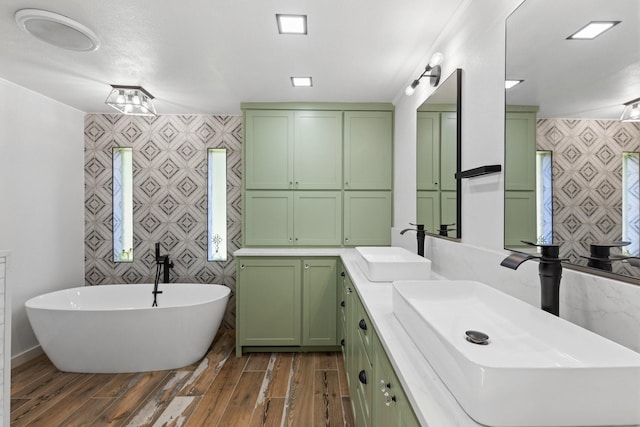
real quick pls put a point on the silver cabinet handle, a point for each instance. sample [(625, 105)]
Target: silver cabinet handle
[(306, 266), (241, 266)]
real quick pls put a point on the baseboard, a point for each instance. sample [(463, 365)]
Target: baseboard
[(25, 356)]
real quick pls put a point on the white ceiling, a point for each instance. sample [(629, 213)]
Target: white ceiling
[(208, 56)]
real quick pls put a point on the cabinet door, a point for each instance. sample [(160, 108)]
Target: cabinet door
[(368, 150), (268, 149), (428, 151), (318, 218), (520, 151), (519, 218), (268, 304), (429, 210), (268, 218), (367, 218), (448, 151), (319, 302), (318, 150), (448, 211)]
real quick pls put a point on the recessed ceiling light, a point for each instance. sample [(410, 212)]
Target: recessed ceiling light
[(508, 84), (301, 81), (291, 24), (592, 30), (57, 30)]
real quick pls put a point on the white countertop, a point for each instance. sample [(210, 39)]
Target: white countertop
[(433, 404)]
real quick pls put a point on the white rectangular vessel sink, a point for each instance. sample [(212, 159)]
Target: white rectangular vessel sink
[(536, 369), (389, 263)]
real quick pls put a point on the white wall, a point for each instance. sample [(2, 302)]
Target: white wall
[(475, 42), (41, 199)]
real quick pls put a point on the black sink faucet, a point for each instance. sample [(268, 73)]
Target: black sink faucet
[(163, 264), (550, 272), (420, 231)]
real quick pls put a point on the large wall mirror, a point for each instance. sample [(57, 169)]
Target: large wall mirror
[(571, 162), (438, 157)]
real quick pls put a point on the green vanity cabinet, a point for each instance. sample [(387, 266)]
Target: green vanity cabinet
[(269, 301), (284, 218), (368, 150), (367, 218), (286, 302), (428, 207), (293, 150), (390, 404)]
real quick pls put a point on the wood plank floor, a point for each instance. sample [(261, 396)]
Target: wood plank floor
[(260, 389)]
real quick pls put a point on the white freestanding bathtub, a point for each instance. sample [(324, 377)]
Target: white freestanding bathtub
[(113, 328)]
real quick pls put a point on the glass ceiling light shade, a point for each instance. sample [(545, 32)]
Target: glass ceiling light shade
[(57, 30), (433, 68), (131, 100), (631, 112)]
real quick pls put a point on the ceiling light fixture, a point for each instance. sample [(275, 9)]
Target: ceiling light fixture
[(631, 112), (592, 30), (57, 30), (292, 24), (508, 84), (434, 77), (301, 81), (131, 100)]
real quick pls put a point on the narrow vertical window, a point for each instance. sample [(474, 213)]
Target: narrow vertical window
[(544, 197), (122, 204), (217, 204), (631, 203)]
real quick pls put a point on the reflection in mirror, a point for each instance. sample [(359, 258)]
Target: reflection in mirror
[(122, 186), (217, 204), (438, 159), (570, 162)]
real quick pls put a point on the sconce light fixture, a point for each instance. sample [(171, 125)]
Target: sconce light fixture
[(131, 100), (631, 112), (434, 76)]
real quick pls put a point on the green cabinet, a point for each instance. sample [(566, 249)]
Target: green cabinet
[(436, 168), (367, 218), (318, 174), (284, 218), (368, 150), (520, 178), (269, 301), (377, 397), (293, 150), (286, 301)]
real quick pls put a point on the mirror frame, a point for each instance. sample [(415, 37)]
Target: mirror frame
[(457, 76)]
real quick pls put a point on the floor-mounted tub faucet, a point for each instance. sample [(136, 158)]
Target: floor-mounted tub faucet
[(420, 231), (550, 272), (163, 265)]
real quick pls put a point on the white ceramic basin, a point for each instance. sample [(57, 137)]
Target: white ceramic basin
[(536, 370), (389, 263)]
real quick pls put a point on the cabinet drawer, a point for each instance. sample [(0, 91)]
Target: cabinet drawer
[(365, 330)]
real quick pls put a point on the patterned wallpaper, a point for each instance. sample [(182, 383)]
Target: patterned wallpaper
[(170, 196), (587, 181)]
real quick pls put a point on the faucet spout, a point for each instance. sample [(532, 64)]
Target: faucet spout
[(420, 235), (549, 271)]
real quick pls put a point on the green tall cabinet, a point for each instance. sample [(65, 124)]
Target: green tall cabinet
[(318, 174), (520, 175)]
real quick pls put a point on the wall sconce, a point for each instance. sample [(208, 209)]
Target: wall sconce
[(434, 76), (631, 112), (131, 100)]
